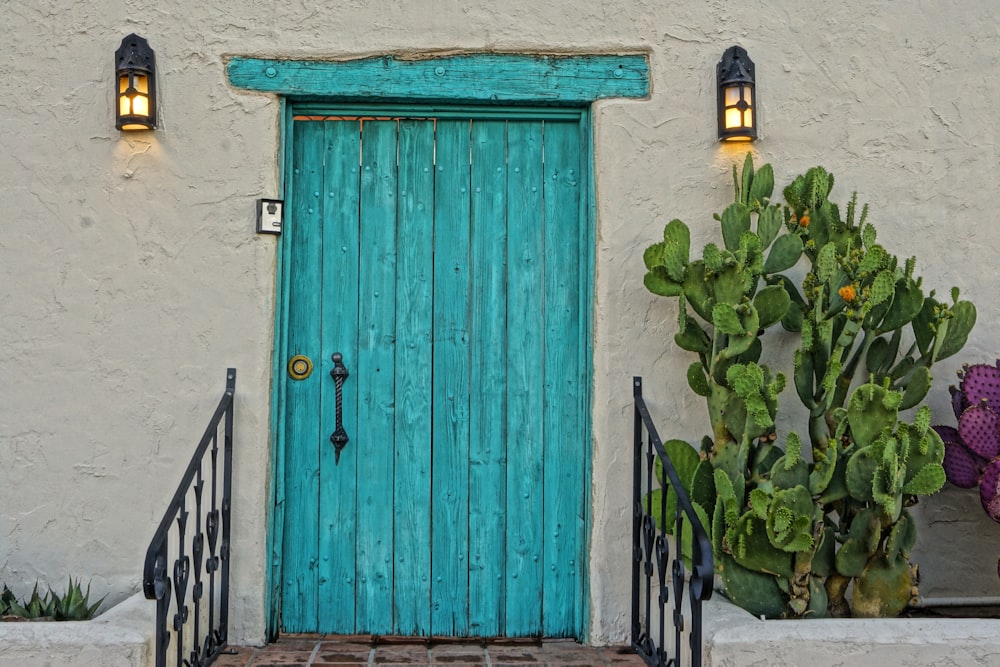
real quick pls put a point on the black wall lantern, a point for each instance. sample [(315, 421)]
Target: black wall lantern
[(737, 96), (135, 85)]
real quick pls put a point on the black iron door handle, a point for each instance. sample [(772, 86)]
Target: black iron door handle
[(339, 375)]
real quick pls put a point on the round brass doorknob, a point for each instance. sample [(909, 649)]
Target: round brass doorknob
[(300, 367)]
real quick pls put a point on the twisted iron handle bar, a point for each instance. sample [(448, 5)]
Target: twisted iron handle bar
[(339, 375)]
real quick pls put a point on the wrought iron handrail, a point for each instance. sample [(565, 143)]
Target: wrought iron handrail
[(651, 553), (203, 554)]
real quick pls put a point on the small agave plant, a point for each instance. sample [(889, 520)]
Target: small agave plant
[(972, 451), (74, 605)]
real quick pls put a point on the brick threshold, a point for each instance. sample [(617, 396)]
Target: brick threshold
[(366, 651)]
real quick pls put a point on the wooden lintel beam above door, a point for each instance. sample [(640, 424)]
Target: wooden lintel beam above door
[(472, 78)]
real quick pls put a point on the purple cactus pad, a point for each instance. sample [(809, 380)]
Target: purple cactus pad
[(979, 429), (947, 433), (958, 401), (960, 465), (980, 382), (989, 493)]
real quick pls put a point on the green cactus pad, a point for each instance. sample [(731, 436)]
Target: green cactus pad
[(862, 541), (702, 489), (726, 320), (883, 590), (658, 282), (772, 304), (902, 537), (753, 591), (803, 378), (697, 379), (826, 263), (761, 187), (696, 290), (693, 338), (917, 385), (837, 488), (860, 473), (730, 285), (784, 254), (929, 479), (824, 467), (907, 303), (684, 459), (743, 186), (789, 519), (963, 318), (768, 225), (753, 550), (735, 223), (826, 551), (868, 414), (676, 249)]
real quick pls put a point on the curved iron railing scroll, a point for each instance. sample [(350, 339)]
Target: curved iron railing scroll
[(187, 569), (652, 555)]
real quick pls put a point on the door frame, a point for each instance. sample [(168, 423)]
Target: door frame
[(480, 81)]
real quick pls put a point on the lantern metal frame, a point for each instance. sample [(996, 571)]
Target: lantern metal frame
[(135, 66), (736, 72)]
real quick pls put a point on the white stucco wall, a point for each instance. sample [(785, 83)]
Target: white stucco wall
[(132, 277)]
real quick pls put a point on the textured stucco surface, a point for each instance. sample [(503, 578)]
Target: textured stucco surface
[(132, 277)]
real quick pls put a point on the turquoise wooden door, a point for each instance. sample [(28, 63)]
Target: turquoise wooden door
[(446, 259)]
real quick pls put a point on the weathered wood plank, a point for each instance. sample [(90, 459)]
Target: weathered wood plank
[(450, 567), (525, 361), (303, 396), (565, 441), (375, 375), (338, 492), (488, 382), (482, 77), (414, 311)]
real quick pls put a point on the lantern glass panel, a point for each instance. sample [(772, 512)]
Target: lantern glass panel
[(124, 105), (140, 106), (734, 118), (732, 96)]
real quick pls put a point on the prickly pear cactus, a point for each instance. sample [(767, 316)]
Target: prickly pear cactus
[(792, 530), (972, 451)]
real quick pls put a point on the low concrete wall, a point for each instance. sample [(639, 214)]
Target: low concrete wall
[(734, 638), (120, 637)]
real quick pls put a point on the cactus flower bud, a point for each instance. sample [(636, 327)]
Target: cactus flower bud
[(804, 221)]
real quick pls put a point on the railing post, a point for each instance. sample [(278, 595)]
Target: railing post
[(636, 507), (227, 496)]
